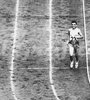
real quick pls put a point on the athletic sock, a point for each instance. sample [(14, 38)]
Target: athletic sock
[(76, 58), (71, 58)]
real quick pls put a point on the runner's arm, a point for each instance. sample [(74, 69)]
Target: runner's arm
[(68, 36), (80, 35)]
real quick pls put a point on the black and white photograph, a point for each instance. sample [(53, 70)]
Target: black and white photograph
[(44, 50)]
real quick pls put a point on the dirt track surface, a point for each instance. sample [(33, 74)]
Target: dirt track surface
[(7, 17), (72, 84), (32, 50)]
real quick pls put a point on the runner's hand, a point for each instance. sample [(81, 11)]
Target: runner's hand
[(78, 37), (67, 42)]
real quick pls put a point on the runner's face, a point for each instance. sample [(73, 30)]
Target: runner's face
[(74, 25)]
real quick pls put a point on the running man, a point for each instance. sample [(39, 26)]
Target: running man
[(74, 35)]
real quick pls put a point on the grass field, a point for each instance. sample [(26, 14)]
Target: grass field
[(31, 78)]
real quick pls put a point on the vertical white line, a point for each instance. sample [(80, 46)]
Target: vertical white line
[(50, 39), (86, 40), (13, 49), (50, 48)]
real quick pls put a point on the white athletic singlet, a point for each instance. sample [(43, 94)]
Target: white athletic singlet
[(74, 32)]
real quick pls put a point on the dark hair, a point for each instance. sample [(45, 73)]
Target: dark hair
[(74, 22)]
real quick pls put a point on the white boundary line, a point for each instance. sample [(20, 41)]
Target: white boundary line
[(86, 41), (13, 51), (50, 50)]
